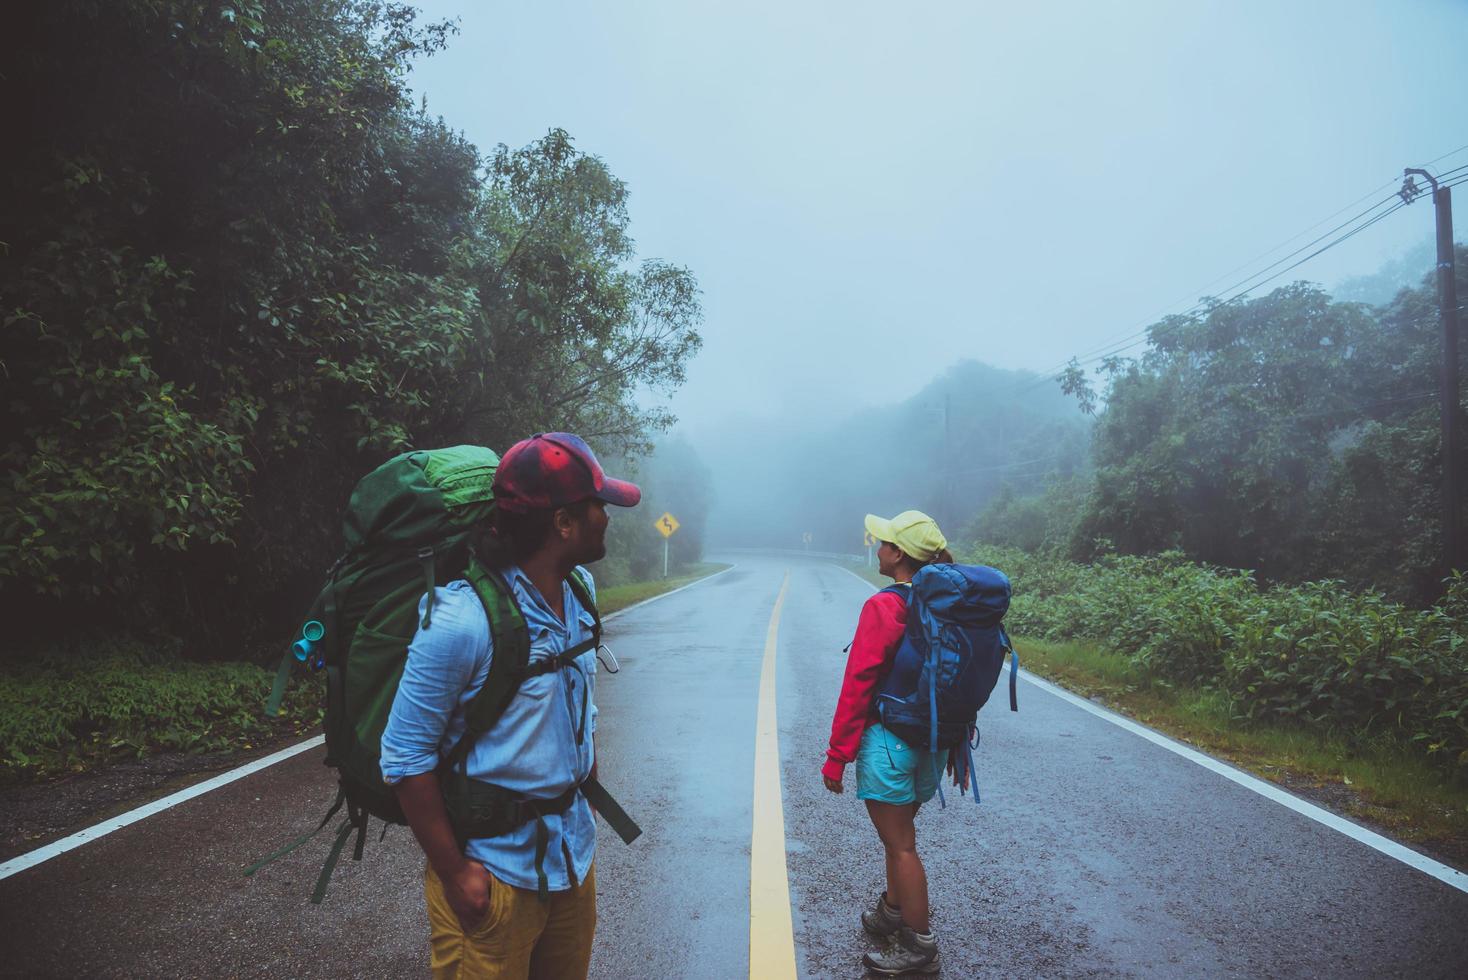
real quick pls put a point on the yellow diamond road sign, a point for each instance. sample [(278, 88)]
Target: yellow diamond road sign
[(667, 524), (867, 538)]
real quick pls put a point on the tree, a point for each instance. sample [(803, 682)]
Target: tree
[(555, 299), (1289, 434), (243, 269), (674, 480)]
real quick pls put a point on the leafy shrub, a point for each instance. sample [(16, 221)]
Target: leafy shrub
[(1324, 656), (1316, 654), (65, 712)]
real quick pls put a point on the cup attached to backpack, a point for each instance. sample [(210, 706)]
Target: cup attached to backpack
[(311, 635)]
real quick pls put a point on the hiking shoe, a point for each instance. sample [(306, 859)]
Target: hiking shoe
[(908, 953), (883, 920)]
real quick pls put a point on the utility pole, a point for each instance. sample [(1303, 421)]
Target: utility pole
[(946, 515), (1455, 545)]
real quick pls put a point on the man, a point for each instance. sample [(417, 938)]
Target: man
[(522, 903)]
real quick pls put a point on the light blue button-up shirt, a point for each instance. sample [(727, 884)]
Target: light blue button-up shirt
[(531, 750)]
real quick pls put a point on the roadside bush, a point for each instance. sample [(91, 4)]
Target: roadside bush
[(1326, 657), (1317, 654), (66, 712), (1187, 622), (1033, 610)]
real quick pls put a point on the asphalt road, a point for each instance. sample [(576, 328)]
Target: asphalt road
[(1095, 852)]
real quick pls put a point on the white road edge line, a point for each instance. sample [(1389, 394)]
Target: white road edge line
[(663, 595), (33, 858), (1385, 845), (45, 853)]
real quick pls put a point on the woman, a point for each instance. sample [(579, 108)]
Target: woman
[(891, 777)]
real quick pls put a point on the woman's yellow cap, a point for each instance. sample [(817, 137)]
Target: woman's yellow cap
[(914, 532)]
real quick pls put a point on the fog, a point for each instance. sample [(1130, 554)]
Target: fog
[(869, 197)]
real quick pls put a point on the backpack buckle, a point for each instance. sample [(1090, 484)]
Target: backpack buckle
[(611, 668), (425, 558)]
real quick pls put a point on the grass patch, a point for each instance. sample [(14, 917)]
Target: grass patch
[(1378, 780), (82, 705), (65, 715), (616, 597), (870, 574)]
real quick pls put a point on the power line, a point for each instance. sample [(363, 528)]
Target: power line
[(1243, 287), (1344, 410), (1370, 405), (1450, 153), (1005, 466), (1201, 305), (1116, 346), (1350, 234)]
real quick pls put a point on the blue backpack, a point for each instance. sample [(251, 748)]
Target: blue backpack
[(949, 660)]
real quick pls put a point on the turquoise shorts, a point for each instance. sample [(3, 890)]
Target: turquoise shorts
[(888, 770)]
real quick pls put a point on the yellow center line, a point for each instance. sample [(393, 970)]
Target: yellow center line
[(771, 934)]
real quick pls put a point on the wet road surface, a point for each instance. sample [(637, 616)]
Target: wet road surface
[(1095, 853)]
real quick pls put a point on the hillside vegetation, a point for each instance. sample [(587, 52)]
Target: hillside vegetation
[(1291, 435), (1316, 654)]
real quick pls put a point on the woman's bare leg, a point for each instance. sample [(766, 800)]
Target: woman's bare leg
[(907, 882)]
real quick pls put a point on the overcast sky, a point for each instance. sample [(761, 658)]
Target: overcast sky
[(886, 188)]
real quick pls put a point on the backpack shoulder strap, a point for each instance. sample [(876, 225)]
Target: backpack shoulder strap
[(511, 657), (511, 653), (582, 590)]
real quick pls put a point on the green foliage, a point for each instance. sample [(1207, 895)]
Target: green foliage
[(1290, 434), (1043, 521), (674, 480), (241, 269), (68, 711), (1317, 654), (87, 702), (613, 598)]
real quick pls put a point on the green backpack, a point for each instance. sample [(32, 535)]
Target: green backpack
[(407, 528)]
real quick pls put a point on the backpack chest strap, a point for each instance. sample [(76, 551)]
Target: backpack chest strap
[(560, 661)]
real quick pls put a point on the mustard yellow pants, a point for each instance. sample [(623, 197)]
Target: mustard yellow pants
[(521, 938)]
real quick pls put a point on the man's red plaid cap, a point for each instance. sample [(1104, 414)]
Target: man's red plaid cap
[(553, 469)]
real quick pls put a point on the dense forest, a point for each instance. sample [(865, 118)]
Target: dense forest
[(1291, 435), (241, 267)]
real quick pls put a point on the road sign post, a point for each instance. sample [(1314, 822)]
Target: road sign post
[(667, 526), (869, 541)]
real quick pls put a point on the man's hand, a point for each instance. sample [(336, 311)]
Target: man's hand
[(465, 882), (834, 785), (468, 893)]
